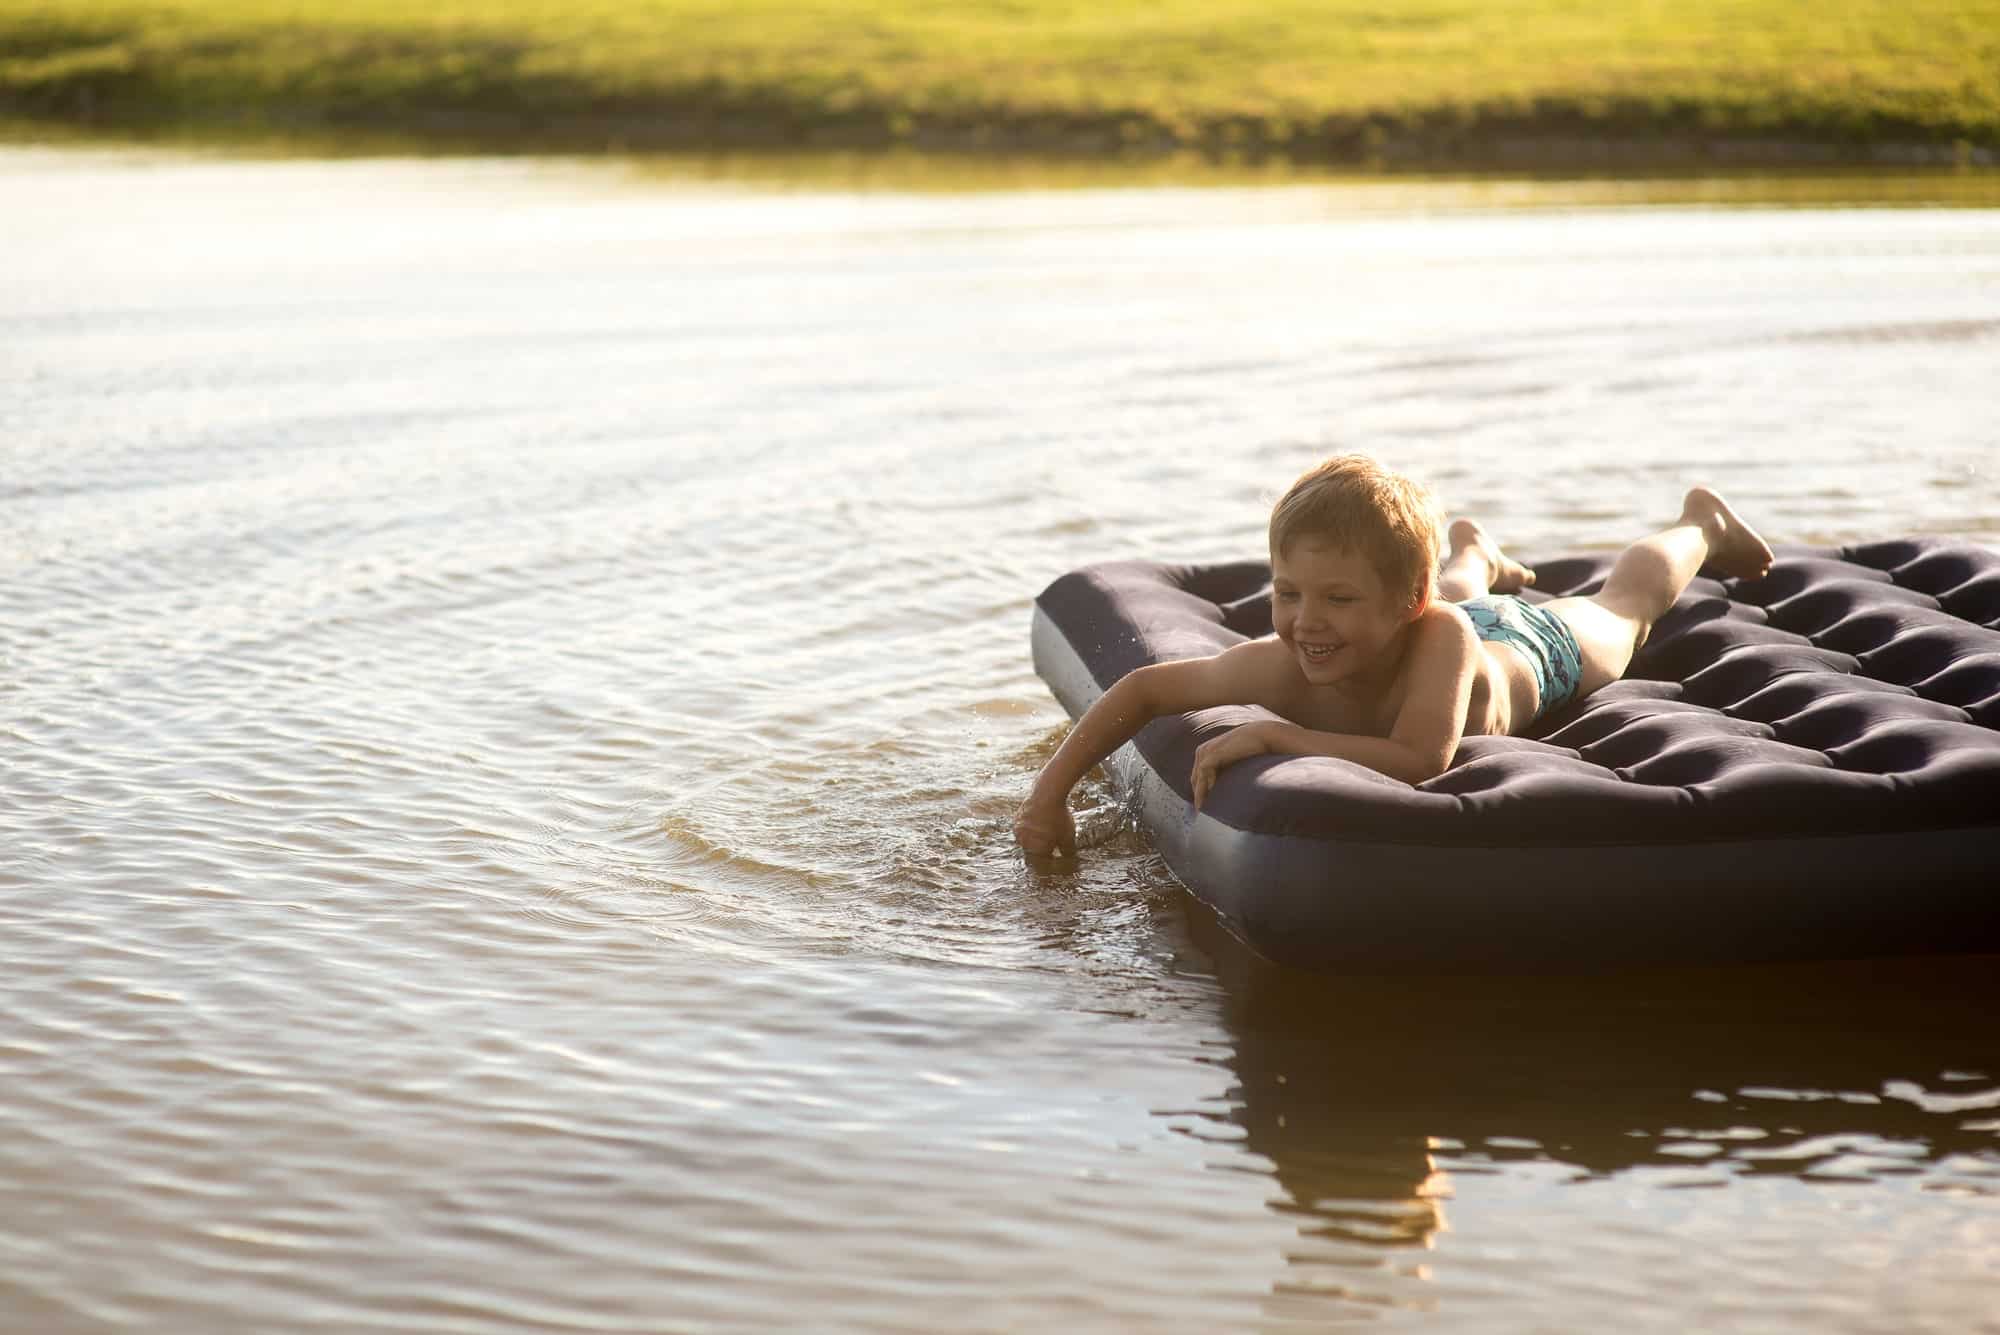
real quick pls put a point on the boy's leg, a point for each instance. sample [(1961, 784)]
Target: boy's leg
[(1475, 566), (1648, 576)]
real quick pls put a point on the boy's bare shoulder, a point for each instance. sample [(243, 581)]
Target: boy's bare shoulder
[(1259, 655), (1250, 673), (1259, 672), (1445, 618), (1442, 631), (1243, 674)]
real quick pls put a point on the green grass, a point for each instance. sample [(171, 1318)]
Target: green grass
[(1336, 80)]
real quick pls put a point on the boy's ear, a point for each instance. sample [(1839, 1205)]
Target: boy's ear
[(1422, 602)]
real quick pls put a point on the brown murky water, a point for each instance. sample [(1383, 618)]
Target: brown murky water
[(513, 678)]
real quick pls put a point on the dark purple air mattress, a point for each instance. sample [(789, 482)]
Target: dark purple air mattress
[(1801, 766)]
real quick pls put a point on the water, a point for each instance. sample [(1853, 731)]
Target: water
[(514, 678)]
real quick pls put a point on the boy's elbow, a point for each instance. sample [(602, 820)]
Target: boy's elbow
[(1427, 763), (1124, 708), (1422, 771), (1140, 689), (1120, 700)]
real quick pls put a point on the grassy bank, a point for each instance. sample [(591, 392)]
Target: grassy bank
[(1535, 82)]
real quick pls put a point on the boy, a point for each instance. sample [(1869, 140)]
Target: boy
[(1377, 659)]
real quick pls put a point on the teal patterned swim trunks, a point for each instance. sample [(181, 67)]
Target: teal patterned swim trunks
[(1541, 637)]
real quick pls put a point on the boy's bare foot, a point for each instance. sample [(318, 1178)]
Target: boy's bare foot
[(1734, 549), (1508, 575)]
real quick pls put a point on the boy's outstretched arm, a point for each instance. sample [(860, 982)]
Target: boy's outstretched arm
[(1043, 824)]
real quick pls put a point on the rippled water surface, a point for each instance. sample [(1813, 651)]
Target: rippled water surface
[(513, 679)]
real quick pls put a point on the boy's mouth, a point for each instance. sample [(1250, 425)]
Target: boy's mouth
[(1317, 653)]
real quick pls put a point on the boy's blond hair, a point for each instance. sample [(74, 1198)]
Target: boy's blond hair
[(1362, 507)]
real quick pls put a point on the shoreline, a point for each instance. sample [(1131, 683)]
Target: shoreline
[(1370, 146)]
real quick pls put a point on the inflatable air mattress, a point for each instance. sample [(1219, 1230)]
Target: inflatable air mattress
[(1806, 765)]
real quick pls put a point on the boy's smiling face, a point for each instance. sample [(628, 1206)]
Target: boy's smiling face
[(1331, 609)]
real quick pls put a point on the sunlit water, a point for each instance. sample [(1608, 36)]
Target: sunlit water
[(513, 679)]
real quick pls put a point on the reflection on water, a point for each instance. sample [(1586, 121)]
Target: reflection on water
[(1374, 1099), (514, 677)]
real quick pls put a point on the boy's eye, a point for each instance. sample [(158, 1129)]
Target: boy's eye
[(1285, 597)]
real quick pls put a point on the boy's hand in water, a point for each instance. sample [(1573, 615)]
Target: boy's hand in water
[(1046, 831)]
